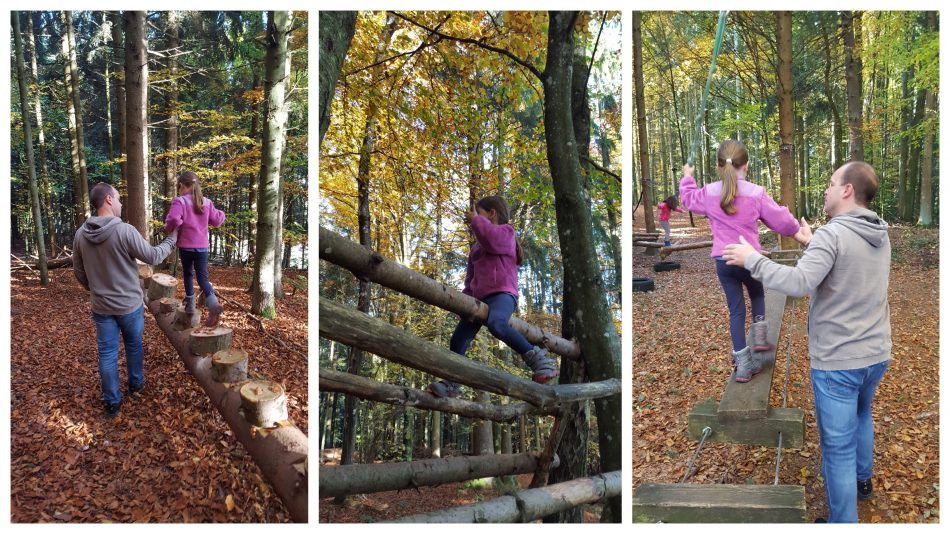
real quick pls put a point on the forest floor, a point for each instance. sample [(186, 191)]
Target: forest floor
[(391, 505), (168, 456), (681, 357)]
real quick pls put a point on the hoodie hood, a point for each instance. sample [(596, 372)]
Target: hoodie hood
[(866, 224), (98, 229)]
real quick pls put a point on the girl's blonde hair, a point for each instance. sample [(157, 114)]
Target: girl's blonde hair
[(497, 203), (190, 179), (731, 156)]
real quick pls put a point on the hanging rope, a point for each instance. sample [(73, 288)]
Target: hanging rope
[(689, 468), (720, 30), (788, 366)]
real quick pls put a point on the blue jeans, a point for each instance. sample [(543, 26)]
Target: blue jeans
[(108, 328), (843, 407), (500, 308), (194, 261), (732, 278)]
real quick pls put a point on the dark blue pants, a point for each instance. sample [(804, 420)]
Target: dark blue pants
[(194, 261), (500, 308), (732, 278)]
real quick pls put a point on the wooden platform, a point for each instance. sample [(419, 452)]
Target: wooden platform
[(718, 503), (763, 431)]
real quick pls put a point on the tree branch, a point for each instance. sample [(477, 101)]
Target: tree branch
[(602, 169)]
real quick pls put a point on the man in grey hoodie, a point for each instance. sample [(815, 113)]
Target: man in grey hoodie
[(104, 254), (845, 270)]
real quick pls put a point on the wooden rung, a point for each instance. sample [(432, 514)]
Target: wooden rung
[(750, 400), (718, 503), (789, 421)]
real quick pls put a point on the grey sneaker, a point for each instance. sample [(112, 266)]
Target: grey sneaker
[(760, 336), (190, 304), (747, 365), (444, 388), (544, 368), (214, 310)]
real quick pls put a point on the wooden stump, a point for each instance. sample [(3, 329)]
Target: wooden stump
[(264, 403), (168, 304), (206, 341), (145, 273), (185, 321), (161, 286), (229, 365)]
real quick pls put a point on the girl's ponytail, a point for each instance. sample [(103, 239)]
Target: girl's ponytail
[(190, 179), (731, 157)]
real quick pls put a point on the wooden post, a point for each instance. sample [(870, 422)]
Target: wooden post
[(185, 320), (161, 286), (207, 341), (145, 273), (229, 365), (168, 304), (264, 403)]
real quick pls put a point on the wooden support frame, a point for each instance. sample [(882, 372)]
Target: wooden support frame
[(528, 505), (764, 431), (718, 503), (369, 265)]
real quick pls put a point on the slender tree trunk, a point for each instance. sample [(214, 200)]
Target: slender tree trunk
[(930, 114), (77, 100), (80, 187), (913, 165), (275, 83), (252, 180), (28, 142), (645, 177), (336, 33), (171, 108), (136, 86), (38, 110), (118, 51), (786, 155), (436, 432), (107, 81), (851, 30)]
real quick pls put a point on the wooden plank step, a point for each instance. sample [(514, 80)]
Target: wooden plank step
[(718, 503), (789, 421), (750, 400)]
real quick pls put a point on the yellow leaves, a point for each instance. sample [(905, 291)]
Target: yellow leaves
[(229, 502)]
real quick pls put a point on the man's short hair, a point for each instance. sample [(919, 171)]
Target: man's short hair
[(863, 179), (99, 193)]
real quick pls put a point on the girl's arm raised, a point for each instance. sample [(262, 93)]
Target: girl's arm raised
[(777, 217), (495, 238), (215, 216), (693, 199), (175, 216)]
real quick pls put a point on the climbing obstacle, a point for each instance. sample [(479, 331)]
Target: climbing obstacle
[(357, 329), (260, 423), (718, 503)]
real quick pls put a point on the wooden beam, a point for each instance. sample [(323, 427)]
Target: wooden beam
[(528, 505), (718, 503), (369, 265), (281, 452), (764, 431), (750, 400), (666, 251), (352, 479)]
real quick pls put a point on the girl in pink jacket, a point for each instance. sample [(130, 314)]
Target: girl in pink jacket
[(191, 214), (734, 208), (492, 277)]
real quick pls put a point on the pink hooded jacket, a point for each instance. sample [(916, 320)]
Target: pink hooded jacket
[(752, 203), (193, 227), (492, 262)]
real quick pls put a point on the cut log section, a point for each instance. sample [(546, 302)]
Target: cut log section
[(264, 403), (162, 285), (718, 503), (666, 251), (145, 273), (207, 341), (528, 505), (229, 366), (184, 320), (168, 304), (353, 479)]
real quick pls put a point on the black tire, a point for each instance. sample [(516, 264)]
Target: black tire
[(643, 284), (662, 266)]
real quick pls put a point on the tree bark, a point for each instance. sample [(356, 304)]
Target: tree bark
[(913, 165), (646, 179), (336, 33), (41, 137), (80, 184), (786, 153), (930, 114), (171, 108), (851, 30), (118, 51), (275, 84), (77, 102), (136, 87), (28, 142)]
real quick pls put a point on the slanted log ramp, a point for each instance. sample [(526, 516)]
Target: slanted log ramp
[(742, 415), (356, 329), (256, 411)]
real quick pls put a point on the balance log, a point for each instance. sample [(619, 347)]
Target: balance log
[(207, 341), (229, 365), (264, 403), (185, 320), (168, 304), (161, 285)]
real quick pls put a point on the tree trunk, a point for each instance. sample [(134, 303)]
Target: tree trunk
[(136, 87), (77, 100), (107, 82), (786, 153), (38, 109), (930, 117), (593, 321), (913, 165), (482, 440), (80, 185), (118, 51), (171, 108), (906, 113), (851, 30), (28, 142), (275, 84), (252, 180), (436, 433), (645, 178), (336, 33)]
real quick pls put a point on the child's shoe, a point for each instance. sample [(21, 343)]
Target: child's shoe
[(214, 310), (444, 388), (747, 365), (544, 368), (190, 304), (760, 336)]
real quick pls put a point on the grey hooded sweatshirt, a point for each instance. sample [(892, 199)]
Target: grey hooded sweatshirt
[(104, 254), (845, 270)]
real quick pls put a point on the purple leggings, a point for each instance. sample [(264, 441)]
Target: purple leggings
[(732, 278)]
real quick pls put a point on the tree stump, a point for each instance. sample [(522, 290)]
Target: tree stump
[(161, 286), (206, 341), (264, 403), (229, 365), (185, 321), (168, 304), (145, 273)]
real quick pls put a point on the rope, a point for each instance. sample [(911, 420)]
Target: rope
[(689, 468), (720, 29), (788, 366)]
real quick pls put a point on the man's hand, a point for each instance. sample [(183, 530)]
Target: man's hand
[(687, 169), (803, 235), (735, 254)]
